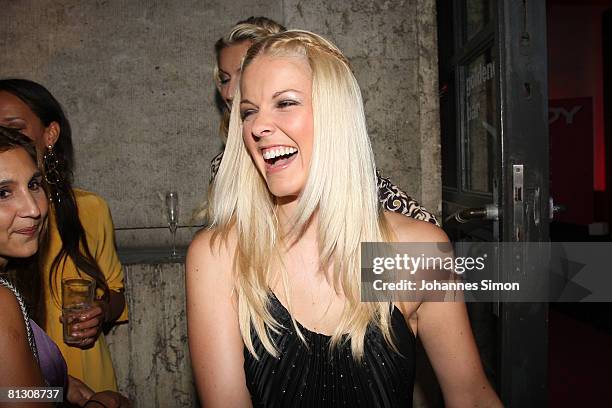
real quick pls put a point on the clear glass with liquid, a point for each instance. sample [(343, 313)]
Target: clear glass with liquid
[(77, 297)]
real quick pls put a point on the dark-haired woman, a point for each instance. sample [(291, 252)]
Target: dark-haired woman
[(81, 237), (29, 357)]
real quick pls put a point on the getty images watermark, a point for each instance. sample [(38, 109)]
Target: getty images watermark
[(486, 272)]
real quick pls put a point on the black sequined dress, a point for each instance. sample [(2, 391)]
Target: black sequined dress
[(309, 377)]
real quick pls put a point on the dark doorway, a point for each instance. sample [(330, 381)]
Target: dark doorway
[(580, 115)]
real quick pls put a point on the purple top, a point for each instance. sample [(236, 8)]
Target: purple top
[(51, 361)]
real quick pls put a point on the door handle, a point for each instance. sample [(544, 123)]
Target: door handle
[(555, 208), (488, 212)]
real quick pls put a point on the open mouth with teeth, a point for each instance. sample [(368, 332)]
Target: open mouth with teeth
[(279, 157)]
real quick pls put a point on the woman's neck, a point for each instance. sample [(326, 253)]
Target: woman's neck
[(285, 212), (285, 208)]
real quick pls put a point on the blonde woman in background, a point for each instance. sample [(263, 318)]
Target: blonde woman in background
[(275, 317)]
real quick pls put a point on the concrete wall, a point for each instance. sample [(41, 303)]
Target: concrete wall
[(135, 79), (150, 353)]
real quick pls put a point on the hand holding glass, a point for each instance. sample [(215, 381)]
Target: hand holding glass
[(77, 297)]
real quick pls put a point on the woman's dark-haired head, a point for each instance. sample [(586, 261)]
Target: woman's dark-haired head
[(23, 212), (54, 128), (13, 139)]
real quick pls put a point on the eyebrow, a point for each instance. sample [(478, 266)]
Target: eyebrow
[(274, 95), (37, 174), (285, 90)]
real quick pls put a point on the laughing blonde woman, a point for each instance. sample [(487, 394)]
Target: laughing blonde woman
[(275, 316), (230, 50)]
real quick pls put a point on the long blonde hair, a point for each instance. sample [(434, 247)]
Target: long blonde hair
[(341, 188)]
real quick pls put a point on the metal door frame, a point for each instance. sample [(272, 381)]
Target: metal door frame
[(524, 136), (517, 32)]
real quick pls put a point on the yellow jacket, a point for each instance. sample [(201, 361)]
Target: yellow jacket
[(94, 365)]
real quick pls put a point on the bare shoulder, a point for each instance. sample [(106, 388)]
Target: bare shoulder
[(211, 245), (408, 229), (12, 325), (8, 303), (210, 258), (18, 368)]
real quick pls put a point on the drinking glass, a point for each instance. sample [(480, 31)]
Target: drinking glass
[(172, 214), (77, 297)]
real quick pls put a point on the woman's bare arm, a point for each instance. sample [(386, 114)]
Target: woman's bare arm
[(215, 342), (18, 368), (445, 332)]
